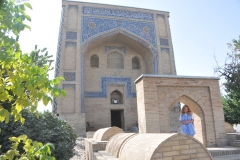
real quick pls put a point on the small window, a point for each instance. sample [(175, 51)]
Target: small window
[(94, 62), (115, 60), (116, 97), (135, 63)]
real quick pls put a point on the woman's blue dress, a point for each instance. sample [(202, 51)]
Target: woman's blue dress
[(187, 129)]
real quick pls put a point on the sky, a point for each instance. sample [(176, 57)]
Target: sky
[(200, 29)]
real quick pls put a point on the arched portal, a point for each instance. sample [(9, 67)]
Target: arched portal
[(197, 113), (117, 38)]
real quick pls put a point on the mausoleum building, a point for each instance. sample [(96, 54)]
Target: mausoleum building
[(102, 50)]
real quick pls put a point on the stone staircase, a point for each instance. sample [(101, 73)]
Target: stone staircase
[(231, 152)]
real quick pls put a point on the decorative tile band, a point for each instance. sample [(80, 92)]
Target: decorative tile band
[(117, 13), (73, 6), (161, 15), (164, 42), (112, 80), (71, 35), (92, 26), (69, 76), (109, 48), (165, 49), (67, 43), (54, 109), (72, 86)]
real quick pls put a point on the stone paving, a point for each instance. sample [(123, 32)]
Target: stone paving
[(79, 150)]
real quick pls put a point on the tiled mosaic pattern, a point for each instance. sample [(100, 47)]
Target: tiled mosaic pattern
[(165, 49), (164, 42), (67, 43), (73, 6), (114, 80), (71, 35), (92, 26), (54, 109), (69, 76), (117, 13), (109, 48)]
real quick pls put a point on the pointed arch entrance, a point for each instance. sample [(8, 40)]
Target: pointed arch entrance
[(199, 122), (144, 48)]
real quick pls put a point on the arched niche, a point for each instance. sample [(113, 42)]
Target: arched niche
[(94, 61), (116, 97), (198, 117), (136, 63), (70, 58), (115, 60), (72, 18)]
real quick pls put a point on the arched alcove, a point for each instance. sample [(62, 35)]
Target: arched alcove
[(72, 18), (197, 113), (94, 61), (116, 97), (135, 63), (70, 57), (115, 60)]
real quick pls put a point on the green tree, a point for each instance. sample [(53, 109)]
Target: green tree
[(24, 78), (48, 128), (230, 71)]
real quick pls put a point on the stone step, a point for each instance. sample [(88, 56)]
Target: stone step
[(238, 137), (235, 143), (223, 151), (107, 155), (228, 157), (98, 156)]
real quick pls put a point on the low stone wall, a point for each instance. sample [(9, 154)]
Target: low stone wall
[(115, 143), (92, 146), (90, 134), (105, 134), (163, 146), (127, 146), (229, 128)]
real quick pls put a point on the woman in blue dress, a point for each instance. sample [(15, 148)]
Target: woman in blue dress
[(187, 119)]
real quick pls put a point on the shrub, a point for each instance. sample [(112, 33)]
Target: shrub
[(48, 128)]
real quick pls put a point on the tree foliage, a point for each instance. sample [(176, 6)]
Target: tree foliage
[(24, 80), (48, 128), (24, 77), (32, 150), (231, 73)]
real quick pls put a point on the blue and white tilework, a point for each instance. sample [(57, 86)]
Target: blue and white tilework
[(165, 49), (109, 48), (54, 109), (164, 42), (73, 6), (92, 26), (72, 86), (117, 13), (69, 76), (71, 35), (67, 43), (112, 80)]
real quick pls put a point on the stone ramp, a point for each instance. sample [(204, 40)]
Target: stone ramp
[(225, 153), (228, 157)]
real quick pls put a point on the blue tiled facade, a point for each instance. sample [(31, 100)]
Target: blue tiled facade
[(112, 80), (117, 13), (57, 65), (92, 26)]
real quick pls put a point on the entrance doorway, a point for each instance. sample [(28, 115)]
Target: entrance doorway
[(117, 118)]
